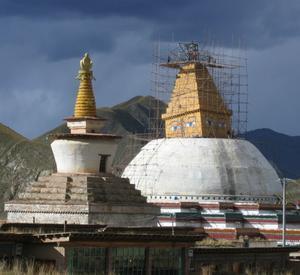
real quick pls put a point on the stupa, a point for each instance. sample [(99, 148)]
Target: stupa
[(200, 174), (83, 191)]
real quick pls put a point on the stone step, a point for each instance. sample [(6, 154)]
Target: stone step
[(101, 185), (55, 178), (92, 197), (104, 197), (83, 188), (54, 190), (42, 196), (116, 198), (79, 190), (116, 180), (34, 189), (123, 192), (50, 184), (79, 180), (78, 197), (97, 193)]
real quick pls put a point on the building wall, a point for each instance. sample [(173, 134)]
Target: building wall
[(50, 217), (129, 216), (88, 258)]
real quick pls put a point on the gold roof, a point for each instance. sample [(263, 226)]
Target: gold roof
[(85, 103)]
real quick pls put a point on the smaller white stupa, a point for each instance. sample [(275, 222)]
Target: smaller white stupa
[(83, 191), (85, 149)]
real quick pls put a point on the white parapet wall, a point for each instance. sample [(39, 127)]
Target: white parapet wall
[(83, 155)]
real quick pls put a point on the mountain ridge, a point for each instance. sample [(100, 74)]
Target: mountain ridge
[(283, 151)]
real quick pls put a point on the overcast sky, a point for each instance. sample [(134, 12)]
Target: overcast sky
[(42, 42)]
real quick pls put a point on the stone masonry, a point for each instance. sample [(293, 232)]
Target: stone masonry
[(82, 199)]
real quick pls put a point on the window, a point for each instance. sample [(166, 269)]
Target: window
[(128, 261), (103, 163), (89, 260), (166, 261), (124, 260)]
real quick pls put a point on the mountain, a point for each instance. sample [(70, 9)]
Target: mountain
[(131, 116), (23, 160), (281, 150)]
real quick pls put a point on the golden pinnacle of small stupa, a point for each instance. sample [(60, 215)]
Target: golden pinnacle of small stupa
[(85, 103)]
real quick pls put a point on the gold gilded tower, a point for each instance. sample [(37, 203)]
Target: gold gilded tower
[(196, 108), (85, 104)]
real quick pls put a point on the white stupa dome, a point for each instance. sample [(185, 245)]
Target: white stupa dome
[(208, 168)]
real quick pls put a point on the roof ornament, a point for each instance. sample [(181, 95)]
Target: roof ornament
[(86, 65), (85, 103)]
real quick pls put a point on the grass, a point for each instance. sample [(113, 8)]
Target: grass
[(208, 242), (293, 191), (9, 133), (26, 267)]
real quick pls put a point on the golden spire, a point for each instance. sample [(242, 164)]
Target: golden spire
[(85, 103)]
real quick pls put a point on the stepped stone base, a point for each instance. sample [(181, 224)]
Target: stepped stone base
[(82, 199)]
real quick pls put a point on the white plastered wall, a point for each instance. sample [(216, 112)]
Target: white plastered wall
[(82, 155)]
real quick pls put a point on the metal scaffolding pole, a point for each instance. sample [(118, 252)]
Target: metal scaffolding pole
[(283, 211)]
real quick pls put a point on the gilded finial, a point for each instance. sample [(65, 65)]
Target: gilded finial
[(85, 103), (86, 65)]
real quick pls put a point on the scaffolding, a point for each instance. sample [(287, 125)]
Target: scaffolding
[(227, 71), (223, 90)]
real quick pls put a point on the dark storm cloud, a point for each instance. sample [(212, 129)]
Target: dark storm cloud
[(260, 23), (58, 39), (40, 62), (41, 42), (274, 93)]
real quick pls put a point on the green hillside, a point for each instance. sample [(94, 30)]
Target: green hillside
[(131, 116), (8, 137), (21, 160)]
